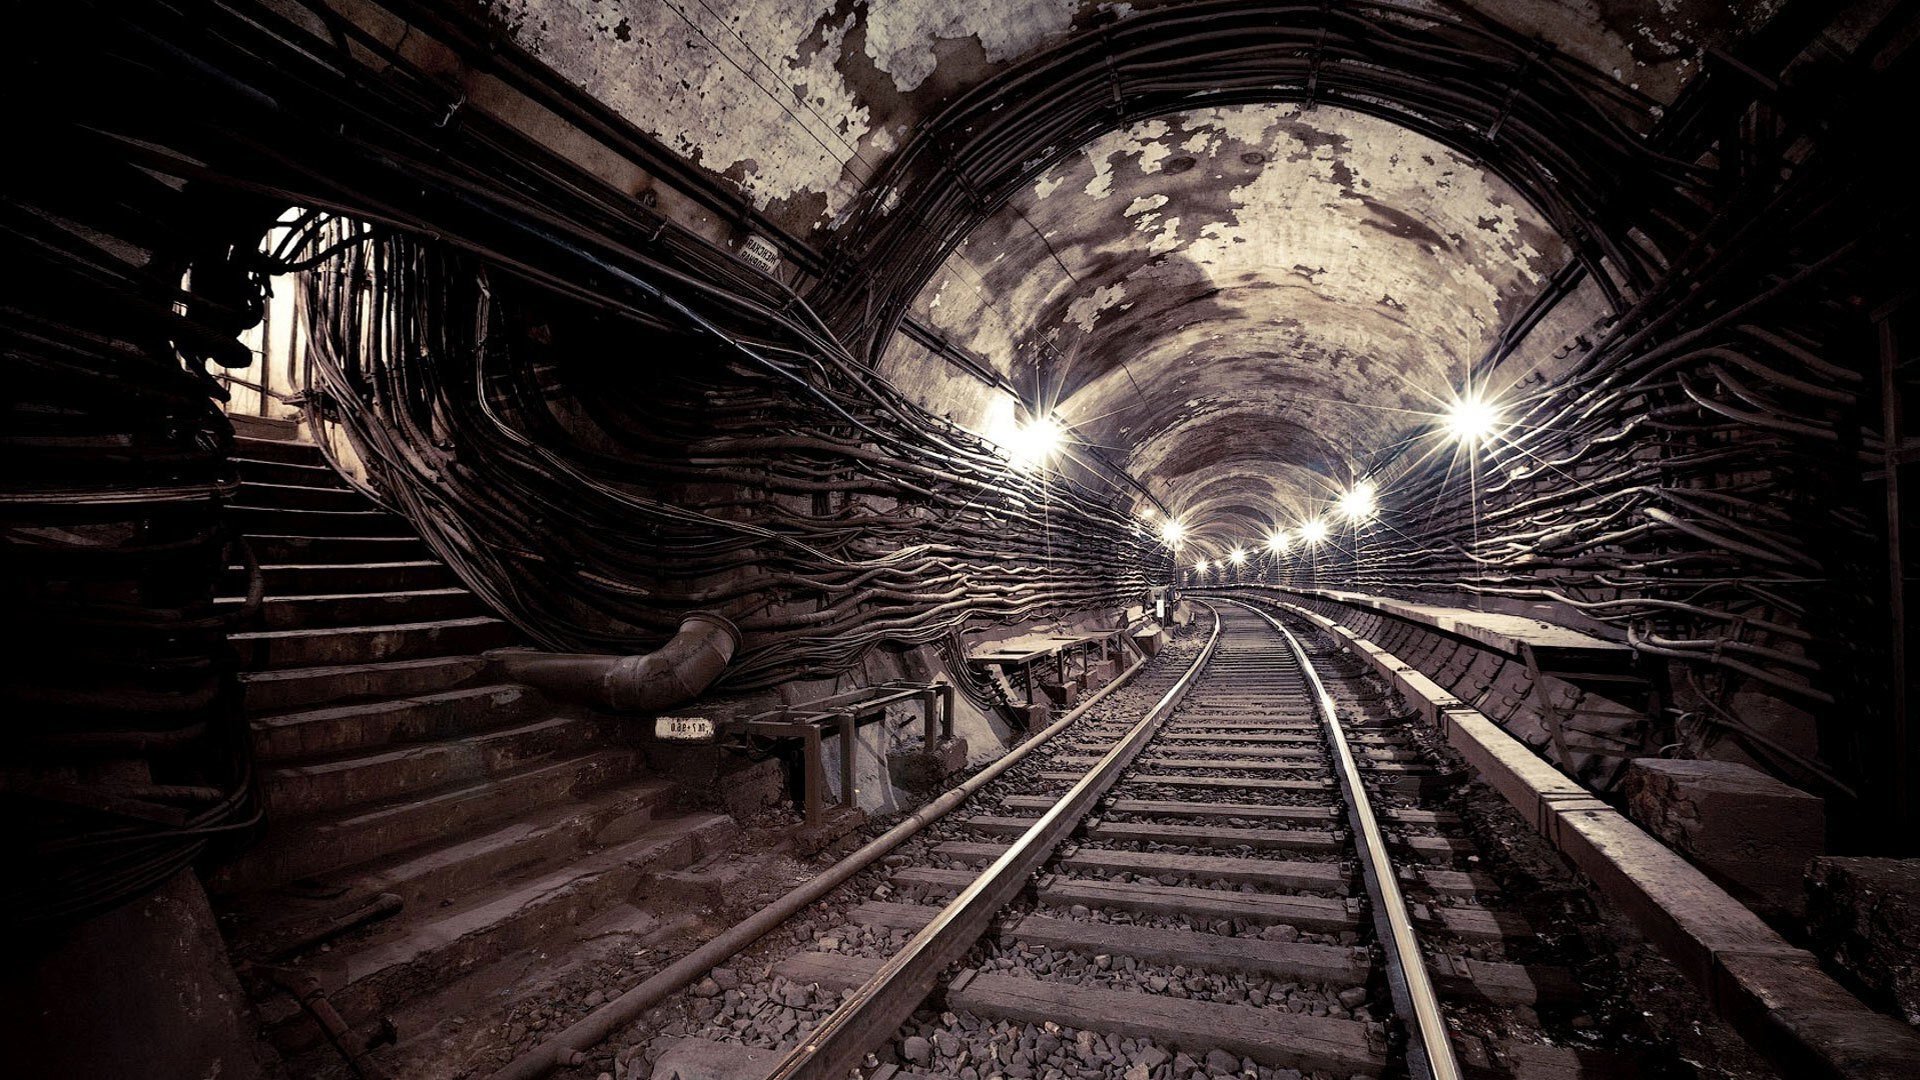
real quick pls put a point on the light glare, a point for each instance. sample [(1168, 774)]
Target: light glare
[(1201, 566), (1034, 443), (1237, 556), (1278, 541), (1471, 419), (1358, 504), (1173, 532), (1314, 531)]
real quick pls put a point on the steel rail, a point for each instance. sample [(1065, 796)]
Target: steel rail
[(568, 1047), (1431, 1044), (879, 1006)]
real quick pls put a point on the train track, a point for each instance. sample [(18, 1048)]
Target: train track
[(1227, 870)]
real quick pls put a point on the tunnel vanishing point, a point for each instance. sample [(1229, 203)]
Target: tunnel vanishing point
[(1035, 539)]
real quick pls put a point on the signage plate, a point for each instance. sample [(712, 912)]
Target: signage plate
[(683, 728)]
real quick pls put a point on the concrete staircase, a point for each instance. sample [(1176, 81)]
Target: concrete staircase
[(423, 821)]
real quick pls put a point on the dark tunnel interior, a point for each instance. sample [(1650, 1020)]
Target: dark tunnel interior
[(1048, 539)]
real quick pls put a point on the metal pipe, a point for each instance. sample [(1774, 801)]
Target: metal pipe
[(567, 1047), (678, 671)]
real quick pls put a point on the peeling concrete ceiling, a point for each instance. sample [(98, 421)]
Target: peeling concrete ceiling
[(799, 102), (1242, 304)]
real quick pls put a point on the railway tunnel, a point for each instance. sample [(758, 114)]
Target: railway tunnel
[(1168, 540)]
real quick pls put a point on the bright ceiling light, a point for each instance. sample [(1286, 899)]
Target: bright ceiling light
[(1278, 541), (1471, 419), (1173, 532), (1146, 512), (1237, 556), (1201, 566), (1314, 531), (1034, 443), (1358, 504)]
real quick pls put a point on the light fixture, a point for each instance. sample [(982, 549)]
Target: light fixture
[(1201, 566), (1314, 531), (1172, 532), (1033, 444), (1358, 504), (1146, 512), (1237, 556), (1278, 541), (1471, 418)]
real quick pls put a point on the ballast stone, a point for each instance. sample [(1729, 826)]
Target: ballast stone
[(1864, 915)]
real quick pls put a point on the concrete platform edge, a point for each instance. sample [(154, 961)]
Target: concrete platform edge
[(1773, 993)]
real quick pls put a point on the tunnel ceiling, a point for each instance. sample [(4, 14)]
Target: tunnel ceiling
[(1235, 302), (1243, 305)]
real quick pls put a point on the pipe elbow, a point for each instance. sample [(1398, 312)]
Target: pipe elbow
[(678, 671)]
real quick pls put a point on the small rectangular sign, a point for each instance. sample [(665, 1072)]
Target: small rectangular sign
[(683, 728)]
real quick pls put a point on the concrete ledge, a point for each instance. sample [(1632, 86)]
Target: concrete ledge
[(1509, 634), (1774, 994)]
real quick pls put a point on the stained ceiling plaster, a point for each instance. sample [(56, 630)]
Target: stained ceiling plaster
[(798, 102), (1238, 305), (1243, 306)]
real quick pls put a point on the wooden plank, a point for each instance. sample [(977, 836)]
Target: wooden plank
[(1421, 817), (1269, 1036), (702, 1059), (1301, 727), (1437, 848), (1253, 783), (1293, 753), (1503, 984), (968, 851), (997, 824), (933, 879), (1261, 736), (1250, 811), (1456, 882), (1314, 913), (1339, 965), (1326, 877), (830, 971), (891, 916), (1476, 924), (1166, 761), (1155, 832)]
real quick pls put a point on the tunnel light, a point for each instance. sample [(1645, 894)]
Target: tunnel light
[(1147, 512), (1314, 531), (1358, 504), (1173, 532), (1278, 541), (1034, 443), (1471, 419), (1237, 556), (1200, 567)]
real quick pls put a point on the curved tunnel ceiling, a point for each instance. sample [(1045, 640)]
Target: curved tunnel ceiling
[(1241, 305)]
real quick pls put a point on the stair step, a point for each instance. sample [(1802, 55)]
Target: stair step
[(283, 521), (314, 579), (270, 546), (274, 691), (305, 848), (263, 471), (275, 428), (370, 978), (337, 729), (298, 452), (357, 779), (274, 496), (427, 875), (358, 609), (364, 644)]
